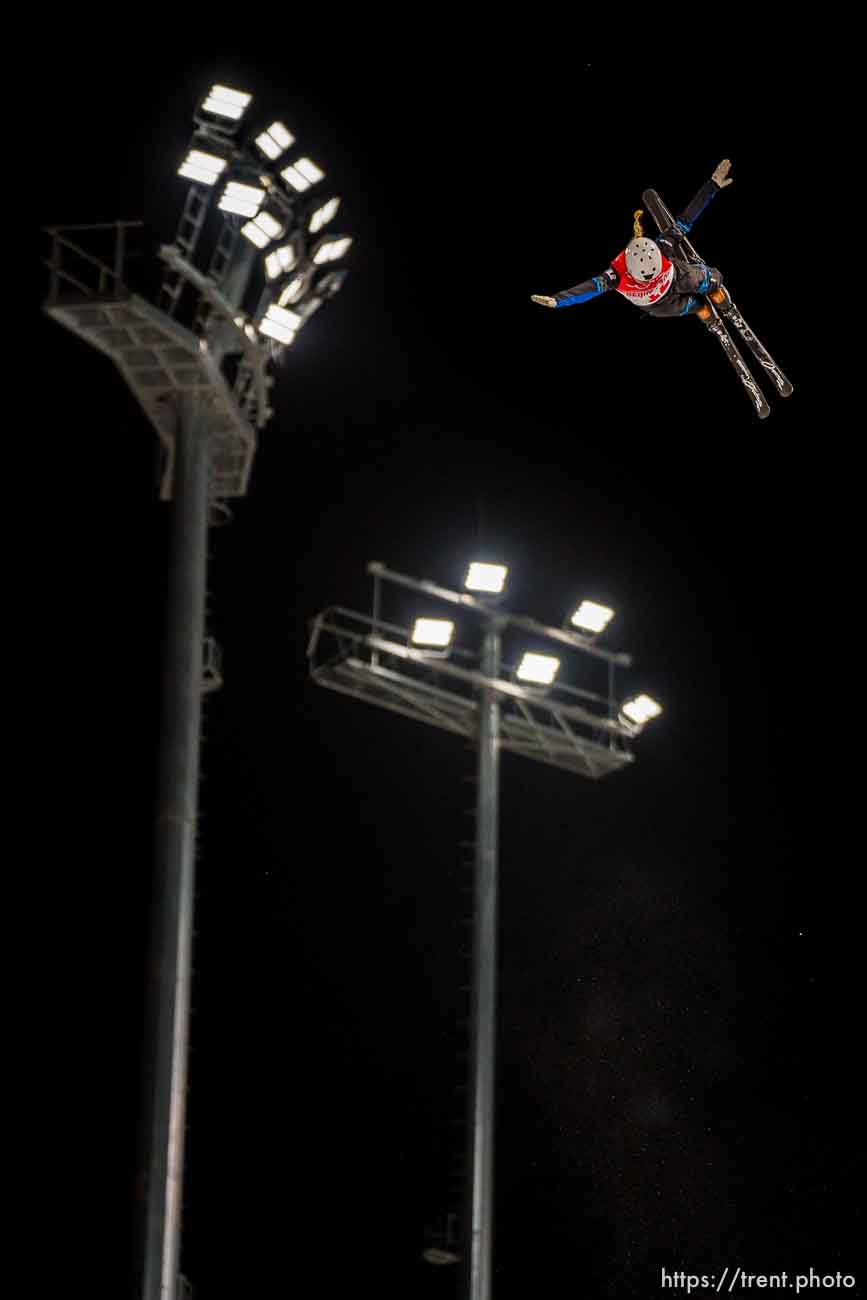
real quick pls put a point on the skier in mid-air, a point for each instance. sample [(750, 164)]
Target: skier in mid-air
[(652, 273), (665, 276)]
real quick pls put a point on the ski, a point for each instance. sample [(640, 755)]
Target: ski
[(718, 319), (715, 324), (660, 213), (731, 314)]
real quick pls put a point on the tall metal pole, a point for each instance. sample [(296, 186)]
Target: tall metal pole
[(484, 995), (172, 933)]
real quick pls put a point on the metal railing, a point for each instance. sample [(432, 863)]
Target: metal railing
[(110, 282), (565, 726)]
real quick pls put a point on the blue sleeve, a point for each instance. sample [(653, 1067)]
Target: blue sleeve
[(588, 289)]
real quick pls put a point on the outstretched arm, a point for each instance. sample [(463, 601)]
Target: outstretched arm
[(718, 181), (580, 292)]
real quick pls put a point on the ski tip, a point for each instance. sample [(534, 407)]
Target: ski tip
[(787, 391)]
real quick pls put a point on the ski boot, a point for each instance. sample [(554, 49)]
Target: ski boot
[(721, 299)]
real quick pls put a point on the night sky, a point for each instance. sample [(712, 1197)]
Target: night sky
[(680, 963)]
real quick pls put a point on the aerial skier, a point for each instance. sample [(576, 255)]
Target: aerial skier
[(665, 277)]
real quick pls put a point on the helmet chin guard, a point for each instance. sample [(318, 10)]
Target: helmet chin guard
[(643, 259)]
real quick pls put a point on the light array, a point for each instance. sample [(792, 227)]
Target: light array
[(280, 261), (202, 167), (275, 141), (486, 577), (534, 669), (640, 710), (286, 229), (293, 291), (590, 617), (243, 200), (262, 229), (323, 215), (255, 234), (226, 103), (540, 669), (435, 632), (332, 248), (280, 324), (302, 174)]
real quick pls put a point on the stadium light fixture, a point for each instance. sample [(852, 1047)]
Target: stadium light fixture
[(640, 710), (537, 669), (579, 733), (255, 234), (275, 141), (242, 200), (490, 578), (590, 617), (280, 324), (204, 383), (293, 291), (302, 174), (263, 229), (224, 102), (281, 261), (323, 215), (331, 248), (434, 632), (205, 168)]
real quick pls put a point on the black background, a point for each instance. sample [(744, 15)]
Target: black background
[(680, 944)]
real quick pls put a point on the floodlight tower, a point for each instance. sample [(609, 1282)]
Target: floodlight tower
[(198, 363), (423, 674)]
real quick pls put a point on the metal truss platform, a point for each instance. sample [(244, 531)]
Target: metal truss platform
[(374, 662), (160, 359)]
